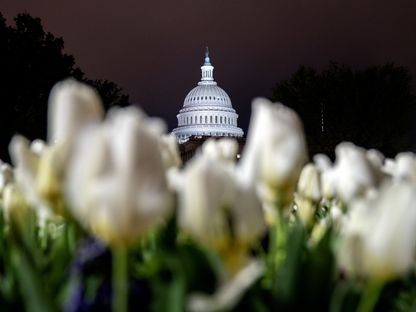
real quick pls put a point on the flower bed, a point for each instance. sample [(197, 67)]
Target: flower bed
[(103, 216)]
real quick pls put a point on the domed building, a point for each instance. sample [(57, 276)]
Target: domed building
[(207, 110)]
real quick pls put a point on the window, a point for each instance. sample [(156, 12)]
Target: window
[(210, 119), (221, 119), (200, 119), (206, 119), (216, 120)]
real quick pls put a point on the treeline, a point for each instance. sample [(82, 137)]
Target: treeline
[(31, 62), (373, 107)]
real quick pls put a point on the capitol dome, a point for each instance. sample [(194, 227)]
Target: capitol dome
[(207, 110)]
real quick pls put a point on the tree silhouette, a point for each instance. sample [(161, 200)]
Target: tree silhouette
[(373, 107), (31, 62)]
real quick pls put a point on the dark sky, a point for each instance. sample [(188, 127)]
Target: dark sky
[(154, 48)]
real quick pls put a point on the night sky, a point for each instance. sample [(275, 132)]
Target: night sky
[(153, 49)]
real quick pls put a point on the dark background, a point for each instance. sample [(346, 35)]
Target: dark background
[(153, 49)]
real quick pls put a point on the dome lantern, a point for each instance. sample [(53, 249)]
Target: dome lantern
[(207, 70)]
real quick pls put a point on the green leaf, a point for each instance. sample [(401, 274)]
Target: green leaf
[(30, 284), (287, 278)]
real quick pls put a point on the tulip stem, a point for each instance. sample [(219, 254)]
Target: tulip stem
[(277, 245), (370, 296), (120, 293)]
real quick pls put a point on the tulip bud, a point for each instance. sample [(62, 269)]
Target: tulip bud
[(308, 194), (275, 152), (170, 151), (322, 162), (218, 210), (309, 183), (221, 149), (371, 246), (72, 106), (6, 176), (355, 174), (406, 167), (116, 184)]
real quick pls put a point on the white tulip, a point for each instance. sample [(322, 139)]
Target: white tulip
[(219, 210), (170, 151), (379, 240), (40, 167), (405, 167), (322, 162), (6, 175), (221, 149), (309, 183), (116, 183), (26, 174), (339, 219), (329, 183), (308, 193), (275, 151), (389, 167), (26, 168), (15, 207), (376, 158), (175, 178), (208, 192), (355, 174), (72, 106)]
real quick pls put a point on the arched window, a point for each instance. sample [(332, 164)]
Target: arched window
[(206, 119), (216, 120), (200, 119), (221, 119), (210, 119)]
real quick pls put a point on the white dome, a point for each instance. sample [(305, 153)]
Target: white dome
[(207, 110), (207, 94)]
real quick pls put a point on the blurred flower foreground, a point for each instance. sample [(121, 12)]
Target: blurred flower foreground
[(105, 217)]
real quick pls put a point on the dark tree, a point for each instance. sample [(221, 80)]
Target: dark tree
[(110, 93), (373, 107), (31, 62)]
